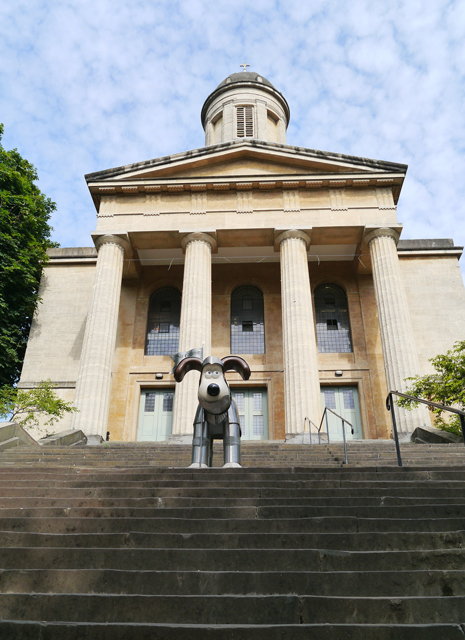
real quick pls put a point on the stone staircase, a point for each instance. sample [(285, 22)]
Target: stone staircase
[(254, 454), (109, 542)]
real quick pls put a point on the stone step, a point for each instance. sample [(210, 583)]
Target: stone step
[(14, 630), (275, 512), (84, 502), (186, 526), (417, 583), (230, 559), (217, 609), (401, 493), (359, 541)]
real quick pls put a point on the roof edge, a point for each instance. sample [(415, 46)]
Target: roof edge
[(258, 144)]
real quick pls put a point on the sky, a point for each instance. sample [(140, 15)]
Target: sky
[(89, 85)]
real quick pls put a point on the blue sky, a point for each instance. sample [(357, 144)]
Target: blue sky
[(88, 85)]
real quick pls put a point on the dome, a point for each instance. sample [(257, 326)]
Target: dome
[(245, 76), (245, 105)]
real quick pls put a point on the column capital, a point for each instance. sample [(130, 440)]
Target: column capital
[(199, 236), (110, 238), (370, 233), (285, 234)]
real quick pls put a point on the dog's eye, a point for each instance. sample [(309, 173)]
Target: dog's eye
[(208, 374), (216, 374)]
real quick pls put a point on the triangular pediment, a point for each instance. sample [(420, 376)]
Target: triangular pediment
[(245, 159)]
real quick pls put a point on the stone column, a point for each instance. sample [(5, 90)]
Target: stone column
[(195, 324), (301, 378), (92, 396), (397, 338)]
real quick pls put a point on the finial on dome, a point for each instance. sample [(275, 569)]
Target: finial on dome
[(245, 65)]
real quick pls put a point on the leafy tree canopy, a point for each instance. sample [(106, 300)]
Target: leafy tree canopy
[(446, 386), (24, 239), (39, 407)]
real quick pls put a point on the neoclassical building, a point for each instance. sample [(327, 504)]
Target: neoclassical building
[(287, 256)]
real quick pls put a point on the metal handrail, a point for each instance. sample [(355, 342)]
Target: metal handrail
[(343, 420), (430, 403), (310, 423)]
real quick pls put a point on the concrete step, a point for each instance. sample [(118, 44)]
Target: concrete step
[(276, 512), (217, 609), (392, 584), (13, 630), (359, 541), (160, 502), (229, 559), (187, 526)]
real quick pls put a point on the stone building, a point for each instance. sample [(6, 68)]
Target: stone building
[(287, 256)]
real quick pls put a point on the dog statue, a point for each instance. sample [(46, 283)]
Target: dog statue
[(216, 416)]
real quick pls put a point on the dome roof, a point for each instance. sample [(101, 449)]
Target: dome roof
[(245, 76)]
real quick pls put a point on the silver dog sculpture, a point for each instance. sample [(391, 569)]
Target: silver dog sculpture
[(216, 416)]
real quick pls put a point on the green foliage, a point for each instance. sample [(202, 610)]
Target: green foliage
[(446, 386), (24, 239), (26, 407)]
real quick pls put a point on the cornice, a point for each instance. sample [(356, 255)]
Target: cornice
[(291, 181), (236, 146)]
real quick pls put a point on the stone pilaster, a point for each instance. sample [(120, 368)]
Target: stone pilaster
[(195, 324), (93, 384), (397, 338), (301, 379)]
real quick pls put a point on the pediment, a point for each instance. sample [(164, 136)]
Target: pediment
[(245, 159)]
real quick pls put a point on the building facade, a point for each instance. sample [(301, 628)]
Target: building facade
[(287, 256)]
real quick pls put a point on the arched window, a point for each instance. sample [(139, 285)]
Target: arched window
[(247, 321), (163, 322), (332, 320)]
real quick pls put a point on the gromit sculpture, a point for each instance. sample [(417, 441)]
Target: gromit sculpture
[(216, 416)]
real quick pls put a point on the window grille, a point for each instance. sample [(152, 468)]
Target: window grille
[(168, 398), (244, 122), (348, 396), (149, 402), (258, 425), (330, 399), (247, 321), (163, 323), (332, 320)]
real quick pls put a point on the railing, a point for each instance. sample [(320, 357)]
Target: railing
[(318, 430), (324, 418), (443, 407)]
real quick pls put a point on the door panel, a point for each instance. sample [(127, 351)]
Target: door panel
[(252, 406), (155, 414), (344, 401)]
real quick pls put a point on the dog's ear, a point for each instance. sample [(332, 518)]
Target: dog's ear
[(234, 363), (186, 365)]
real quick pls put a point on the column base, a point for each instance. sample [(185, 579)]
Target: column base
[(180, 438), (93, 439), (297, 438)]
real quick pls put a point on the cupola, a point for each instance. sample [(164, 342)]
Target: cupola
[(245, 106)]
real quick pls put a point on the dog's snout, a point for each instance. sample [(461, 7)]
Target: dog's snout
[(213, 389)]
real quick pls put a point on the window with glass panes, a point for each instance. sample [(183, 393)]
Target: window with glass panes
[(163, 322), (332, 320), (247, 321)]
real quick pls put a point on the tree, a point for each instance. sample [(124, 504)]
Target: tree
[(27, 407), (446, 386), (24, 240)]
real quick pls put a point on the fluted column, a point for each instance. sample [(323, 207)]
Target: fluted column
[(92, 396), (195, 324), (397, 338), (301, 379)]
